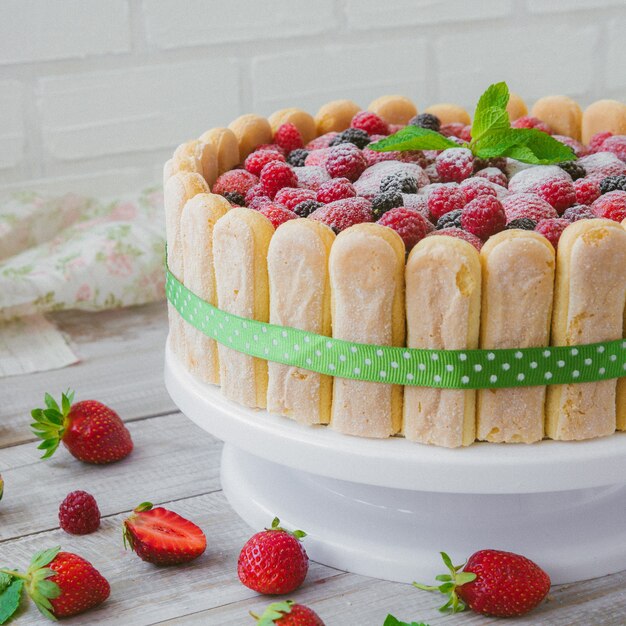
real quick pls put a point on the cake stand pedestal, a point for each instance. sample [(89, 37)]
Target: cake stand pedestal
[(385, 508)]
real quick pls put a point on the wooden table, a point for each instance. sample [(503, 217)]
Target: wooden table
[(177, 464)]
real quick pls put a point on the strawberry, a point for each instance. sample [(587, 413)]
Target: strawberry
[(273, 561), (288, 613), (91, 431), (61, 584), (492, 582), (162, 537)]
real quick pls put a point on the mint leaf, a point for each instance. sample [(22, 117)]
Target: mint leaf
[(10, 599), (491, 113), (413, 138), (534, 146), (394, 621)]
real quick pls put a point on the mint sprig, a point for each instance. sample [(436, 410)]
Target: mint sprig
[(492, 135)]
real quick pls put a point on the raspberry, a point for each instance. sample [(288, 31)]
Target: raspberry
[(417, 203), (323, 141), (613, 183), (342, 214), (522, 223), (311, 177), (335, 189), (458, 233), (431, 172), (411, 226), (270, 146), (277, 213), (256, 160), (371, 123), (450, 220), (497, 162), (290, 196), (574, 169), (527, 121), (578, 212), (426, 120), (297, 157), (400, 181), (455, 129), (587, 190), (577, 147), (255, 195), (455, 164), (617, 145), (306, 207), (235, 198), (466, 133), (603, 164), (446, 198), (552, 229), (372, 156), (385, 201), (355, 136), (474, 187), (518, 205), (275, 175), (79, 513), (345, 161), (317, 157), (549, 182), (235, 180), (611, 205), (494, 175), (483, 217), (595, 145), (288, 137)]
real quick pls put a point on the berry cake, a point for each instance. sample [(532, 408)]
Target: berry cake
[(302, 221)]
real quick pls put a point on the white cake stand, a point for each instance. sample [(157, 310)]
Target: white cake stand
[(385, 508)]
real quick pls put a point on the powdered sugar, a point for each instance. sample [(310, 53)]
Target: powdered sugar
[(369, 182)]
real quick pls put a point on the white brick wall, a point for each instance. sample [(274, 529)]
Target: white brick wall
[(94, 95)]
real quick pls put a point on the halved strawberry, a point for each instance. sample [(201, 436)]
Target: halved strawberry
[(162, 537)]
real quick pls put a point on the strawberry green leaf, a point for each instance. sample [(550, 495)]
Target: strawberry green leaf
[(43, 558), (413, 138), (10, 599), (274, 612), (66, 401), (491, 111), (51, 403), (394, 621)]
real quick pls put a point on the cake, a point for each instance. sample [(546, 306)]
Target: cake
[(335, 224)]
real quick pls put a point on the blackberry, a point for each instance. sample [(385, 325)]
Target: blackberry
[(352, 135), (234, 197), (613, 183), (296, 157), (523, 223), (426, 120), (452, 219), (574, 169), (306, 207), (385, 201), (399, 182)]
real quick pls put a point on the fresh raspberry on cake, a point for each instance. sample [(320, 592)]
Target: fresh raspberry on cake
[(474, 187), (335, 189), (497, 162), (603, 164), (410, 225), (587, 190), (454, 129), (432, 173), (276, 175), (372, 156), (578, 212), (270, 146), (576, 146), (371, 123), (493, 175), (323, 141), (416, 202), (317, 157), (235, 180), (530, 205), (288, 137), (277, 213), (455, 164), (291, 196), (342, 214), (527, 121), (445, 198), (611, 205), (483, 217), (459, 233), (345, 161), (617, 145), (552, 229), (311, 176), (549, 182), (595, 145), (256, 196), (256, 160)]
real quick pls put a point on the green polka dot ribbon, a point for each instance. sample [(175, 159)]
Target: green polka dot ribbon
[(445, 369)]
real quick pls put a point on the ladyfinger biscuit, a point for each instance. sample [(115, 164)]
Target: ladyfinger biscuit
[(189, 164), (367, 305), (240, 242), (335, 116), (297, 263), (562, 114), (443, 283), (199, 217), (226, 146), (621, 384), (393, 109), (251, 131), (604, 116), (517, 294), (302, 120), (590, 292), (516, 107), (205, 155), (449, 113)]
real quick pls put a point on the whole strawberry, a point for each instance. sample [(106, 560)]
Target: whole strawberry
[(288, 613), (61, 584), (492, 582), (162, 537), (91, 431), (273, 561)]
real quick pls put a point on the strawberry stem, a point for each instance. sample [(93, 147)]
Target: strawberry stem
[(14, 574), (52, 422)]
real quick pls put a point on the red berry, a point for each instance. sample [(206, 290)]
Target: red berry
[(549, 182), (576, 146), (276, 175), (474, 187), (578, 212), (79, 513), (288, 137), (256, 160), (311, 177), (408, 223), (454, 129), (595, 145), (416, 202), (256, 197), (371, 123), (603, 164), (345, 161), (335, 189), (552, 229), (587, 190), (289, 614), (291, 196), (459, 233), (617, 145), (273, 561), (455, 164), (483, 217), (372, 156), (317, 157), (277, 213), (323, 141), (342, 214), (611, 205), (445, 198), (235, 180), (494, 175), (527, 121), (270, 146), (530, 205)]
